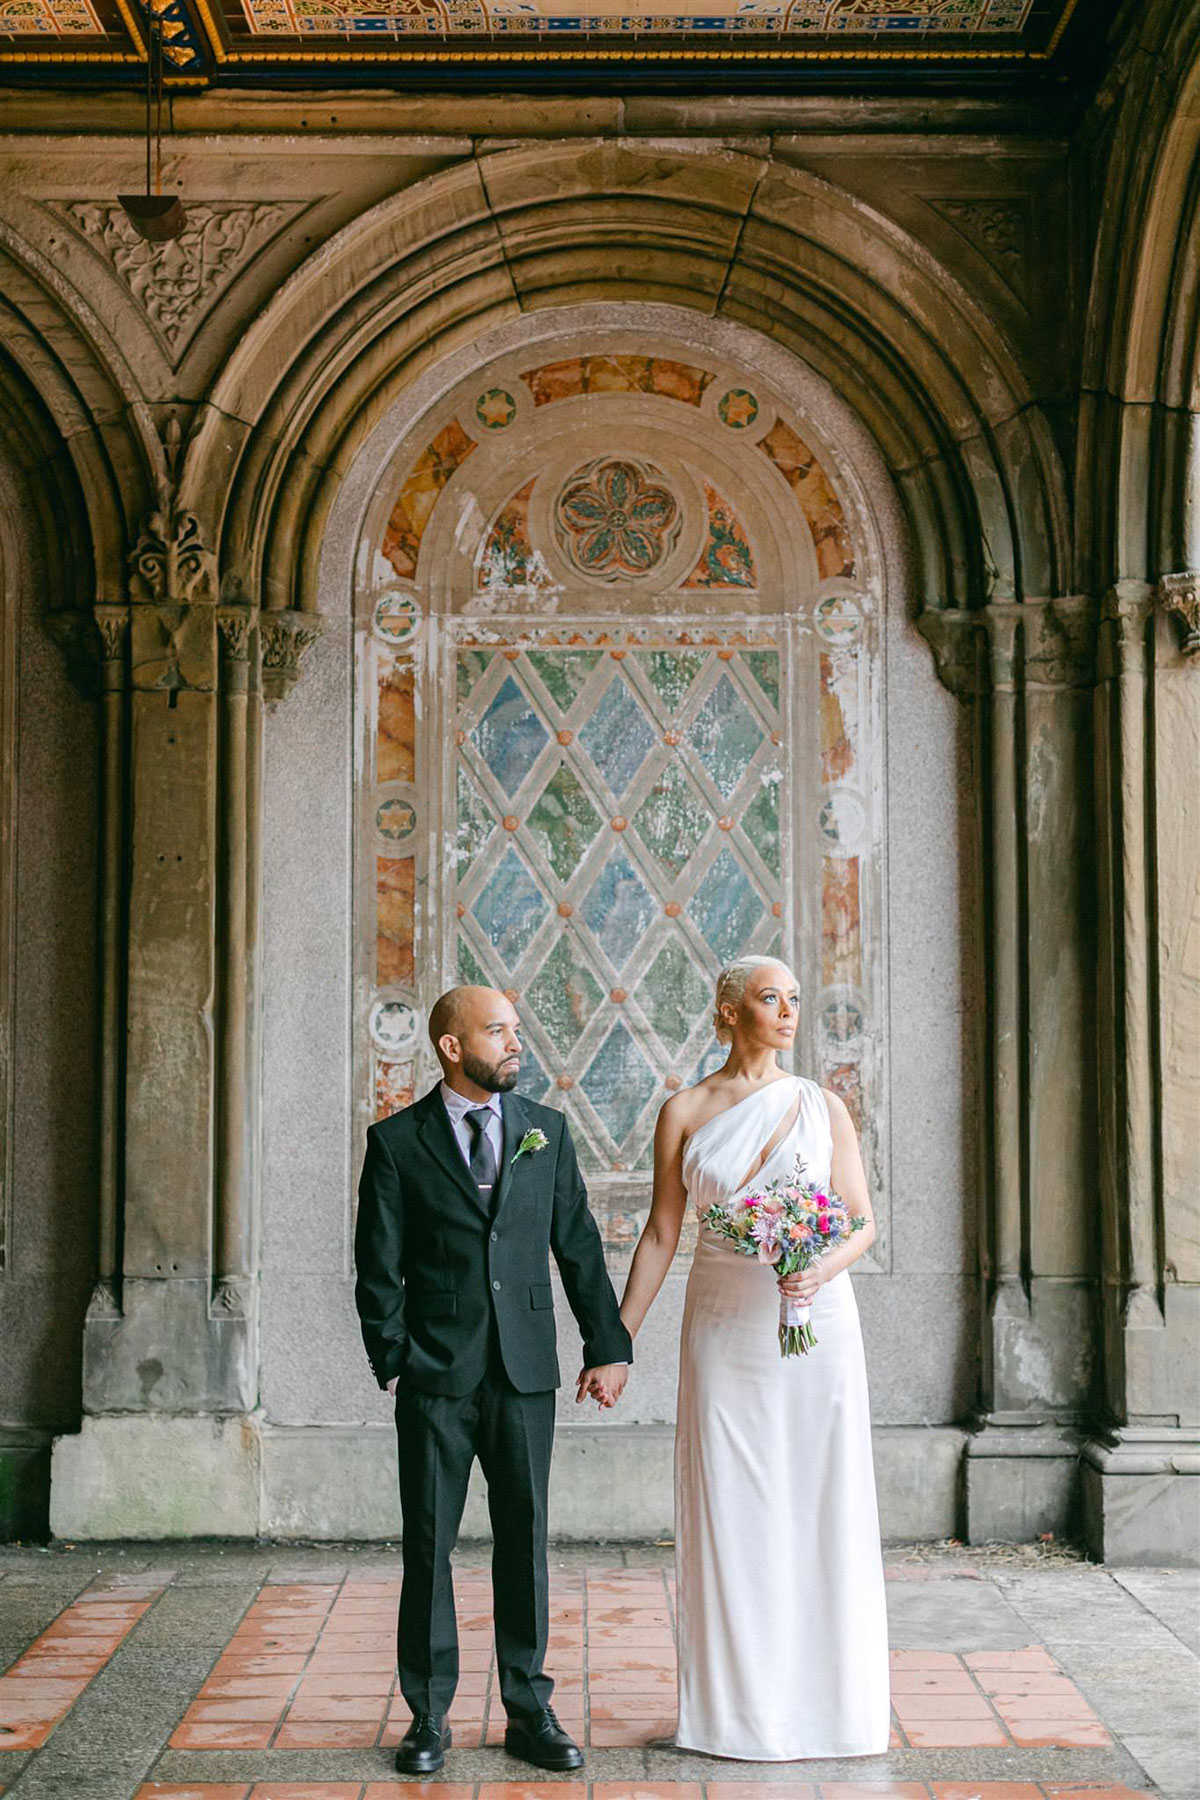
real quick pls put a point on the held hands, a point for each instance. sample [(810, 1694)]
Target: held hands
[(803, 1285), (604, 1385)]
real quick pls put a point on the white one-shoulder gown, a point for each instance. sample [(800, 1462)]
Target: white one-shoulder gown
[(783, 1648)]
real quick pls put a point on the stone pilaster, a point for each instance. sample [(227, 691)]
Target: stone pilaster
[(1140, 1464), (1026, 669)]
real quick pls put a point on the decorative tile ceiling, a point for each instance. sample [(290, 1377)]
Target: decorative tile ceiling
[(205, 38)]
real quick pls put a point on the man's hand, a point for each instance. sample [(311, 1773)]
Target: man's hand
[(604, 1384), (391, 1386)]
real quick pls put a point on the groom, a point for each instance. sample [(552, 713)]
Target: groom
[(462, 1199)]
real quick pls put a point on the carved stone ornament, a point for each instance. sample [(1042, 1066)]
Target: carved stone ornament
[(285, 636), (1179, 595), (169, 565), (235, 624), (952, 633), (232, 1298), (177, 282), (998, 229)]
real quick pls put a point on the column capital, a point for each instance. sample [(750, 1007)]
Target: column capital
[(286, 634), (1179, 596), (953, 634)]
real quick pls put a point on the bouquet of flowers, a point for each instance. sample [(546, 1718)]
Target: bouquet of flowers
[(789, 1224)]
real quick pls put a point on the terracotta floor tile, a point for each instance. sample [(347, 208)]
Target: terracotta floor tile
[(347, 1662), (412, 1790), (1061, 1734), (41, 1665), (644, 1790), (1082, 1790), (357, 1682), (637, 1617), (192, 1790), (940, 1706), (326, 1734), (873, 1790), (932, 1681), (1019, 1681), (1032, 1657), (985, 1790), (614, 1709), (55, 1691), (1071, 1705), (897, 1739), (270, 1666), (955, 1734), (25, 1737), (634, 1736), (308, 1707), (632, 1637), (633, 1681), (760, 1790), (214, 1712), (237, 1687), (924, 1659), (305, 1790), (629, 1656), (530, 1790), (230, 1736)]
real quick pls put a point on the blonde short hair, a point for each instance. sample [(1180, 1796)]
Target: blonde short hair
[(731, 986)]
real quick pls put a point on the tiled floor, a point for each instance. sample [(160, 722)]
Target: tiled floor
[(311, 1667), (259, 1673)]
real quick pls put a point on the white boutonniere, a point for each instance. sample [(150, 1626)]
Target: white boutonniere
[(531, 1143)]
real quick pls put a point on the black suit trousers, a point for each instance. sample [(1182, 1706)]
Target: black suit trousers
[(439, 1437)]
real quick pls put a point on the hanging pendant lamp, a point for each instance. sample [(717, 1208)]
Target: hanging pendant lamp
[(156, 216)]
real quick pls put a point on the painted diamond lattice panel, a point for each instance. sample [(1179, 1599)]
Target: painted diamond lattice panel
[(640, 845)]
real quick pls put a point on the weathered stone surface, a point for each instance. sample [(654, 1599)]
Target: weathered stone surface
[(145, 1477)]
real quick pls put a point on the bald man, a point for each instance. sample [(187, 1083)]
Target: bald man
[(463, 1198)]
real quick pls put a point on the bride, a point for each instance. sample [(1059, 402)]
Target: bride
[(782, 1624)]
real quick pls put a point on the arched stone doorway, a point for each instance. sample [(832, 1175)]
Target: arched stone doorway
[(622, 720)]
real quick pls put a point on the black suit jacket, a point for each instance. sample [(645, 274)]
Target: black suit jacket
[(435, 1266)]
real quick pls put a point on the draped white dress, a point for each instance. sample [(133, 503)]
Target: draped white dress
[(783, 1648)]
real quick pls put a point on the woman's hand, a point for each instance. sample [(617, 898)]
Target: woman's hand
[(803, 1285)]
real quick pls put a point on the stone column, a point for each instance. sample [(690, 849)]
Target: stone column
[(1139, 1466), (1026, 669), (169, 1445)]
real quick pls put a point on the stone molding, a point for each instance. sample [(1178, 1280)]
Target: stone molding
[(286, 635), (1051, 643), (1179, 596)]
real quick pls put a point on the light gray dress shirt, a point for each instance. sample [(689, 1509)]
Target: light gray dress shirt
[(458, 1106)]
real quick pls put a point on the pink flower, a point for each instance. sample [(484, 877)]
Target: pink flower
[(769, 1253), (772, 1206), (823, 1224)]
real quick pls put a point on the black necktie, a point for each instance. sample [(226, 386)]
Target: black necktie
[(483, 1157)]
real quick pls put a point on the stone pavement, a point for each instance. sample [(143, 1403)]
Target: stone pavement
[(202, 1672)]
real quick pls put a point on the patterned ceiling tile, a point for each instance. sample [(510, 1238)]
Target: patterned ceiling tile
[(619, 1082), (618, 736), (804, 19), (725, 736), (510, 737), (619, 908), (419, 495), (617, 519), (726, 909)]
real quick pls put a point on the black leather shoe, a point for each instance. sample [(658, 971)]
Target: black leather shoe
[(424, 1745), (538, 1738)]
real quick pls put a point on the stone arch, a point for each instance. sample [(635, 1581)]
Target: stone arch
[(734, 236), (92, 402)]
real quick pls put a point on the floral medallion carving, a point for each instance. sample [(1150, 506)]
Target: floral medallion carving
[(175, 283), (617, 519)]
